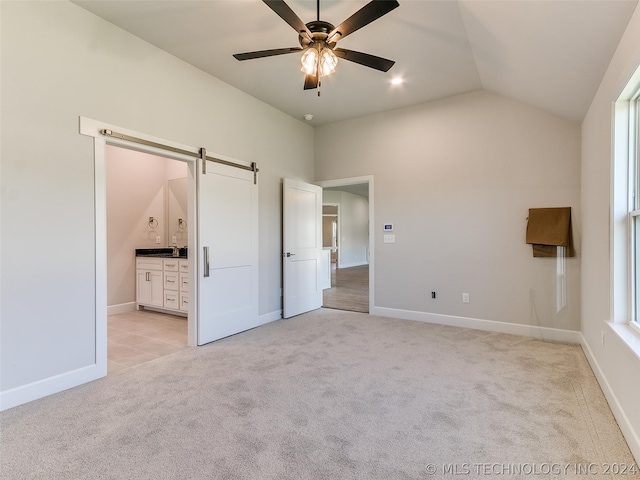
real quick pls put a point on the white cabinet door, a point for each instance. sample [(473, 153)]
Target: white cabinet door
[(228, 237), (143, 288), (156, 288), (302, 242), (149, 288)]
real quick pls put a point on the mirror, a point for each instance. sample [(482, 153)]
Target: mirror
[(177, 230)]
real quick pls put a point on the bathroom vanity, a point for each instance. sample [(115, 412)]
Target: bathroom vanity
[(162, 280)]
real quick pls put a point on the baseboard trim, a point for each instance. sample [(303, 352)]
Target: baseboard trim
[(121, 308), (542, 333), (269, 317), (48, 386), (630, 435)]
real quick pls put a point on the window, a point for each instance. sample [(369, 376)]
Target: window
[(633, 135), (624, 213)]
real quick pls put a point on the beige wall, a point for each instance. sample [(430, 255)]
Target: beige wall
[(456, 178)]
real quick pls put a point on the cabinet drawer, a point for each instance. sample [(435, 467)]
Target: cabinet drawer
[(171, 300), (184, 282), (171, 265), (184, 265), (171, 281), (184, 302), (144, 263)]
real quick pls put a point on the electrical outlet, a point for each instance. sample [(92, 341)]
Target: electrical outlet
[(158, 239), (465, 298), (173, 240)]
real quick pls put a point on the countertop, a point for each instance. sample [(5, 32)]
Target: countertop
[(161, 252)]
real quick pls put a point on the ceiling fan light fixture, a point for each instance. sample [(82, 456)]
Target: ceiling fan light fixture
[(309, 61), (320, 60), (328, 62)]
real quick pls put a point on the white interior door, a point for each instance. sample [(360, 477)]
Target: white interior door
[(302, 244), (228, 251)]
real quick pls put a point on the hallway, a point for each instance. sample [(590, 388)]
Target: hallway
[(349, 289)]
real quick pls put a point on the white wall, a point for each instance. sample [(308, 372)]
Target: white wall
[(353, 227), (457, 177), (136, 190), (60, 62), (616, 366)]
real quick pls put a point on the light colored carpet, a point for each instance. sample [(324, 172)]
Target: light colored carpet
[(326, 395)]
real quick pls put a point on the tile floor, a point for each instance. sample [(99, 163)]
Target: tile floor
[(142, 335)]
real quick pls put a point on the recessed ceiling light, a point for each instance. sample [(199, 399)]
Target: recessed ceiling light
[(396, 81)]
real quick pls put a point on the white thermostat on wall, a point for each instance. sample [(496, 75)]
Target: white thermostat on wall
[(387, 227)]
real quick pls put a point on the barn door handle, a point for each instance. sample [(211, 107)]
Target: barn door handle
[(206, 261)]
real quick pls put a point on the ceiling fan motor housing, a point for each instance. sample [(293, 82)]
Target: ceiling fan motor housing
[(320, 31)]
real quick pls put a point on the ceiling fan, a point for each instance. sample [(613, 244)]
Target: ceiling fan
[(318, 40)]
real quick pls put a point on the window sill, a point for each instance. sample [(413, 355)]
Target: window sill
[(629, 335)]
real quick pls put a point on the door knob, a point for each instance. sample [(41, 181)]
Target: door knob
[(288, 254)]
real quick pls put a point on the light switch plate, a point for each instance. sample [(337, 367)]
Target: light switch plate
[(390, 238)]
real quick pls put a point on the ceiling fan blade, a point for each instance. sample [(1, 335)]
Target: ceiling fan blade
[(367, 14), (310, 82), (365, 59), (284, 12), (266, 53)]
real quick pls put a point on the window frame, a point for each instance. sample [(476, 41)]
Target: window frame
[(633, 106)]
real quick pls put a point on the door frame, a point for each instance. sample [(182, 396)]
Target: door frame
[(368, 179), (337, 205), (92, 128)]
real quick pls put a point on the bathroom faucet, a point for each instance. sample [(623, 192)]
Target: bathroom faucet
[(176, 251)]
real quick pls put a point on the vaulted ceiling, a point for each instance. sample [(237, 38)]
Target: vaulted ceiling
[(551, 54)]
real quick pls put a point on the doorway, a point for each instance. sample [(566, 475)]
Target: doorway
[(210, 181), (146, 197), (347, 234)]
